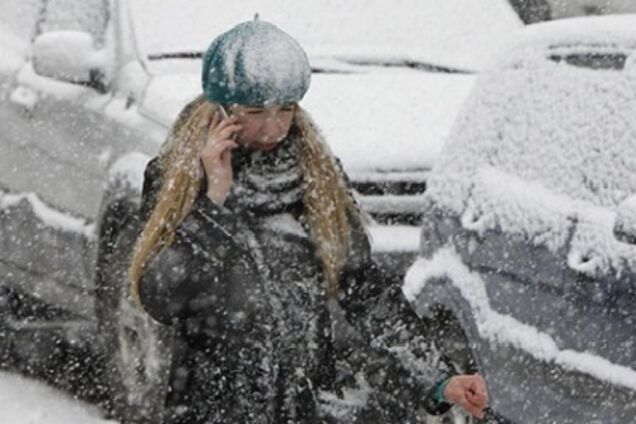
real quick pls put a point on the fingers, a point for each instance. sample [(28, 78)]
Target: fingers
[(219, 130), (228, 131), (218, 124), (477, 399), (477, 392), (217, 149), (468, 392), (473, 410), (470, 407)]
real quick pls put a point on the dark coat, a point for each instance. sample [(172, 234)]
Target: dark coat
[(209, 285)]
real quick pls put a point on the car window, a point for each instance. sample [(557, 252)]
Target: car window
[(87, 15), (600, 61)]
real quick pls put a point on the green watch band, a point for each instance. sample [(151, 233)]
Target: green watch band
[(439, 391)]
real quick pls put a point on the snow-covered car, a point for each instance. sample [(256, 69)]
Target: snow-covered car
[(527, 245), (93, 99)]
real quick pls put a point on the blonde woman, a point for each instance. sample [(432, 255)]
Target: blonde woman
[(250, 231)]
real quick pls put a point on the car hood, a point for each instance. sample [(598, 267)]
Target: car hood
[(379, 119)]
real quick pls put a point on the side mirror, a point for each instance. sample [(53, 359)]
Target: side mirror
[(69, 56), (625, 223)]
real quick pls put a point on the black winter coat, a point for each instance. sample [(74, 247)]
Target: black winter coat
[(233, 363)]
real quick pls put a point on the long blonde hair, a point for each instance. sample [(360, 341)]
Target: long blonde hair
[(329, 207)]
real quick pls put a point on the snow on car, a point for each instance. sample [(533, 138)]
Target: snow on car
[(527, 236)]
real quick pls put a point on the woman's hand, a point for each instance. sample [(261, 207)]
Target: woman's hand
[(216, 156), (468, 392)]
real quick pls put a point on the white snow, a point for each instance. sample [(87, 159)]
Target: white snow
[(49, 216), (594, 249), (626, 216), (569, 128), (528, 211), (589, 30), (394, 238), (352, 398), (19, 17), (47, 86), (13, 52), (454, 33), (133, 116), (387, 119), (503, 201), (285, 224), (66, 55), (25, 401), (25, 97), (17, 23), (130, 168), (503, 329), (166, 95)]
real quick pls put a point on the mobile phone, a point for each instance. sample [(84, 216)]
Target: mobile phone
[(225, 115)]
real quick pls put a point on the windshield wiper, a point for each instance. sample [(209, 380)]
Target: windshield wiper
[(398, 63), (176, 55), (405, 63)]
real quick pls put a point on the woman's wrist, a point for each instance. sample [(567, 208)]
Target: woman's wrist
[(216, 197), (438, 394)]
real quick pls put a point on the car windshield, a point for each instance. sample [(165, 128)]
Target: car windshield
[(403, 32)]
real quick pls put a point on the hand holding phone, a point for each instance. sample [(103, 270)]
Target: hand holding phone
[(216, 154)]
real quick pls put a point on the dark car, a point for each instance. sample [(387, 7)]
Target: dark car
[(527, 246)]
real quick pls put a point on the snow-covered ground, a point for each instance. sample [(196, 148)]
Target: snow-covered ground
[(26, 401)]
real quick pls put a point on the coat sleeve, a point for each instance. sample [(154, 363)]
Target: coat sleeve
[(413, 365), (183, 278)]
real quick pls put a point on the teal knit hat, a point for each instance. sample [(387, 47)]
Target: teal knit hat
[(255, 64)]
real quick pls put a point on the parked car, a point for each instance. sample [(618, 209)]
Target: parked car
[(527, 246), (94, 100)]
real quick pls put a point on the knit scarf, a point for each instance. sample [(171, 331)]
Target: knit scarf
[(266, 182)]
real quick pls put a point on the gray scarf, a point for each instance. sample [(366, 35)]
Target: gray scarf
[(266, 182)]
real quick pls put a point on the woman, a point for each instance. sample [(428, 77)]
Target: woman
[(250, 233)]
